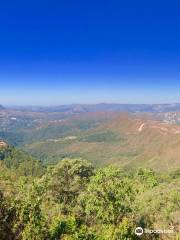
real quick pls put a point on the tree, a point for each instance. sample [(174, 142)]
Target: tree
[(147, 178), (6, 219), (109, 196), (67, 180), (30, 223), (107, 205)]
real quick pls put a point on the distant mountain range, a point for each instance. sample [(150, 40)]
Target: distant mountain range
[(83, 108)]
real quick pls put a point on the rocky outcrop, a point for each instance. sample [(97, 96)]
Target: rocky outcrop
[(3, 144)]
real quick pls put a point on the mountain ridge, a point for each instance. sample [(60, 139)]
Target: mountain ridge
[(82, 108)]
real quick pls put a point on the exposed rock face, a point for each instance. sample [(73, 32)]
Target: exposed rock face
[(3, 144)]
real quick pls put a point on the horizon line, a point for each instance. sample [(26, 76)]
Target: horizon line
[(87, 104)]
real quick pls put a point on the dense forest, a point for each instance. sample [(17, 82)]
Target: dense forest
[(74, 200)]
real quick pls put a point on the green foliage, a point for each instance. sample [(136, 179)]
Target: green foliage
[(110, 196), (70, 228), (30, 222), (73, 201), (67, 180), (125, 230), (6, 219), (147, 177), (22, 162)]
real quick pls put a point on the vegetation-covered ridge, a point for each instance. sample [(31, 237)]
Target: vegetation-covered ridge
[(74, 201)]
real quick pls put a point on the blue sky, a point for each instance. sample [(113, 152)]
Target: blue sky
[(58, 52)]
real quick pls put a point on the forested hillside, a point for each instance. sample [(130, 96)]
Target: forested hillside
[(73, 200)]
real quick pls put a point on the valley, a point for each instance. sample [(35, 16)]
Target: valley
[(128, 140)]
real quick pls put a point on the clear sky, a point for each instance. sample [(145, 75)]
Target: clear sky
[(66, 51)]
